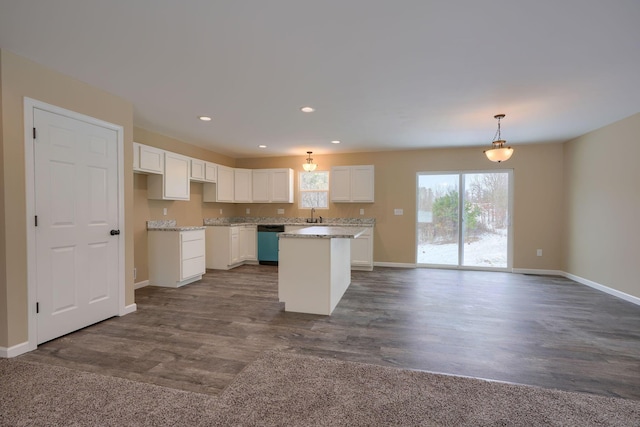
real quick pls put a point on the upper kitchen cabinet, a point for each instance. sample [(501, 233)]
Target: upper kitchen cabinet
[(223, 190), (210, 172), (202, 171), (242, 185), (173, 184), (353, 184), (147, 159), (272, 186)]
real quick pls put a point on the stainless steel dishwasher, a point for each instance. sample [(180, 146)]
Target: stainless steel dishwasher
[(268, 243)]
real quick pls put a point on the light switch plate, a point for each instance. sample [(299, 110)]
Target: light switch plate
[(361, 211), (281, 211), (164, 211), (398, 212), (539, 252)]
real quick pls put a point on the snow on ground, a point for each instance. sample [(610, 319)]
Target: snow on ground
[(489, 251)]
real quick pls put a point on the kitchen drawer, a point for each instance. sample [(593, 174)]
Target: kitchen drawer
[(186, 236), (192, 248), (192, 267)]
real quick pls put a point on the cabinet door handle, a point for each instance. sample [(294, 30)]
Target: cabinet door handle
[(115, 232)]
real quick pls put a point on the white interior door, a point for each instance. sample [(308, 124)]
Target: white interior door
[(76, 206)]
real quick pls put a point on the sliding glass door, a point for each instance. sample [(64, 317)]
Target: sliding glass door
[(463, 219)]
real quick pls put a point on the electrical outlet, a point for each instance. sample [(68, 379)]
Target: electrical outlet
[(164, 211), (398, 212), (361, 211), (220, 211), (281, 211), (539, 252), (248, 211)]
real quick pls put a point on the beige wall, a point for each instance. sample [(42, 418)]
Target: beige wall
[(537, 204), (20, 78), (602, 227)]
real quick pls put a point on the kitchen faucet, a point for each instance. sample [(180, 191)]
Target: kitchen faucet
[(311, 220)]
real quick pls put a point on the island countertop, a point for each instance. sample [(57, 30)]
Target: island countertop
[(324, 232)]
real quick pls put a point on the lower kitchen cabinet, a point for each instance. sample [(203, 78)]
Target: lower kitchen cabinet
[(176, 258), (230, 246), (248, 242), (362, 251)]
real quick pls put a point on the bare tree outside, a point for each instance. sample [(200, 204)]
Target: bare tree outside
[(314, 189)]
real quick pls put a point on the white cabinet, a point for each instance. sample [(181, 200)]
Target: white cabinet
[(222, 191), (242, 185), (282, 186), (261, 187), (176, 258), (230, 246), (210, 172), (352, 184), (340, 180), (136, 157), (248, 243), (234, 245), (362, 251), (197, 170), (272, 186), (147, 159), (202, 171), (174, 183)]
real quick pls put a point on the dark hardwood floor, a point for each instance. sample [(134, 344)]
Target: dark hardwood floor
[(538, 330)]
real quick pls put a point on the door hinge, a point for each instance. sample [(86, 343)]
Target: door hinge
[(37, 307), (34, 133), (36, 220)]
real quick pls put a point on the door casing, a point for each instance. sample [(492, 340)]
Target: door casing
[(29, 106)]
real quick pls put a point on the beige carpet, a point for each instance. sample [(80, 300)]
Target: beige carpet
[(294, 390)]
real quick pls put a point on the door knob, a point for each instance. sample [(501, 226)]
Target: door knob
[(115, 232)]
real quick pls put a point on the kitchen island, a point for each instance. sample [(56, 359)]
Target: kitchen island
[(315, 267)]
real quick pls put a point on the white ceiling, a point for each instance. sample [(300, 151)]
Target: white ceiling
[(382, 74)]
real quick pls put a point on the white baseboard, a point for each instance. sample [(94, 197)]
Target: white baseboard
[(606, 289), (539, 272), (141, 284), (128, 309), (14, 351), (394, 264)]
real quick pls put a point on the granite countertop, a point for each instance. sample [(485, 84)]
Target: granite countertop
[(324, 232), (327, 222), (171, 225)]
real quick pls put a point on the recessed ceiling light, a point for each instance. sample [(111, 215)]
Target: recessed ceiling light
[(307, 109), (205, 118), (262, 146), (335, 141)]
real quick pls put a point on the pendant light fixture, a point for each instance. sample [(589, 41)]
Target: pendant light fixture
[(498, 152), (309, 166)]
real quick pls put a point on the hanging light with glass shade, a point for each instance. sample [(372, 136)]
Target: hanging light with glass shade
[(498, 152), (309, 166)]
